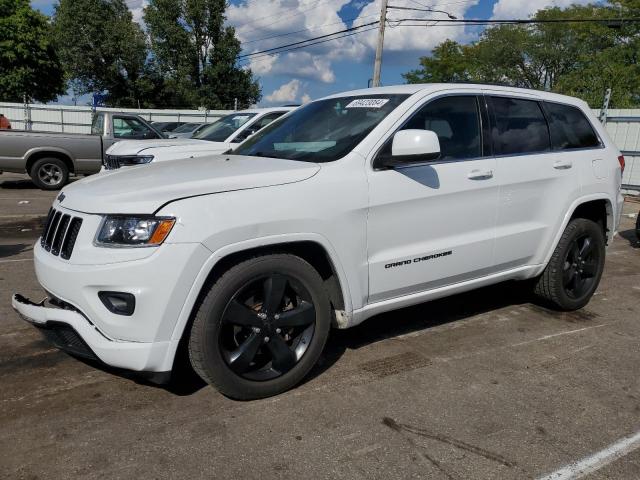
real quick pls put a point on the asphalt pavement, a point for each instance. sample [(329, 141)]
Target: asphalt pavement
[(482, 385)]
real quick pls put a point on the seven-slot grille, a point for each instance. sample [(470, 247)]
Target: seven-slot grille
[(111, 163), (60, 233)]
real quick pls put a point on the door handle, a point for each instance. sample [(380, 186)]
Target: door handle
[(480, 174), (562, 164)]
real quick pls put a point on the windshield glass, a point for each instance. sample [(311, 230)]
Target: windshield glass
[(224, 128), (186, 128), (322, 131)]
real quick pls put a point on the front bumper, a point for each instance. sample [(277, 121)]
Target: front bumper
[(70, 330)]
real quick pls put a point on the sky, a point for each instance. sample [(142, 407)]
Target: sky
[(308, 73)]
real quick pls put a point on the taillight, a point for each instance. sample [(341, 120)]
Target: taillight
[(621, 160)]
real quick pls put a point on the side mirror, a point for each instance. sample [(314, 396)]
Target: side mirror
[(412, 146)]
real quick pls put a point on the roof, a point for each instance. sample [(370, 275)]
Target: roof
[(410, 89), (265, 110)]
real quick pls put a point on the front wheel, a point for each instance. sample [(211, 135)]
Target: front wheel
[(573, 273), (261, 327)]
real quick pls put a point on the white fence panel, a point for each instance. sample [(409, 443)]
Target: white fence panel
[(77, 119)]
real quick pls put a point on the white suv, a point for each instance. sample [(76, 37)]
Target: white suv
[(354, 204), (225, 133)]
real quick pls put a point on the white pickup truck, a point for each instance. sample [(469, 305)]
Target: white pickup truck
[(218, 137), (352, 205)]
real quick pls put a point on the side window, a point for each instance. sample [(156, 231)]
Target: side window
[(259, 124), (519, 127), (125, 127), (569, 127), (456, 121)]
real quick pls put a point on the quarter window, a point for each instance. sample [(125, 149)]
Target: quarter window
[(519, 127), (456, 121), (569, 127)]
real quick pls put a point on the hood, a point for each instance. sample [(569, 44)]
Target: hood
[(134, 147), (146, 188)]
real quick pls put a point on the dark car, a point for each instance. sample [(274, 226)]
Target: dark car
[(167, 126)]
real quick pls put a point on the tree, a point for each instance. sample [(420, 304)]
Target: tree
[(104, 50), (29, 65), (579, 59), (448, 63), (196, 54)]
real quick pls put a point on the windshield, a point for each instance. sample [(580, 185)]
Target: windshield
[(224, 128), (322, 131), (186, 128)]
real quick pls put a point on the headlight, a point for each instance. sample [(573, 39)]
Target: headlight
[(126, 160), (123, 231)]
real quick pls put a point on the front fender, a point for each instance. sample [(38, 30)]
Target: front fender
[(344, 318)]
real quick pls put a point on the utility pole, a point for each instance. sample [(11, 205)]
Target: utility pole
[(604, 111), (377, 66)]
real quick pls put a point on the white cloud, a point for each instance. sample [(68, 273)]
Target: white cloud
[(306, 98), (262, 25), (301, 64), (285, 93), (525, 8)]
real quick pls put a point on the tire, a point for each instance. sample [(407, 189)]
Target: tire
[(574, 271), (245, 345), (49, 173), (638, 226)]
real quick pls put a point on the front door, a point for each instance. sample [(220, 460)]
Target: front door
[(433, 224)]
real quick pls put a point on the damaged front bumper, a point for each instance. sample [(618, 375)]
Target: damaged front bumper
[(71, 331)]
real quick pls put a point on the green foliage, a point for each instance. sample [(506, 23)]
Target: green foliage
[(28, 62), (197, 55), (102, 49), (579, 59)]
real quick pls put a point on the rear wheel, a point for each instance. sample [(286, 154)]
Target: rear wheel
[(49, 173), (575, 268), (261, 327)]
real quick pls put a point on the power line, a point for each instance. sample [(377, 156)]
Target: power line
[(435, 22), (517, 21), (308, 29), (292, 15), (310, 44), (308, 40)]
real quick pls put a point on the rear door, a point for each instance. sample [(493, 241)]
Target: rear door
[(536, 183), (432, 224)]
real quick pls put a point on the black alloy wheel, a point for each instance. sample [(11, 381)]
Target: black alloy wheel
[(267, 327), (580, 266), (573, 273), (260, 327)]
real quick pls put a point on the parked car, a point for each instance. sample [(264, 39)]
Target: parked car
[(49, 157), (352, 205), (167, 127), (218, 137), (187, 130)]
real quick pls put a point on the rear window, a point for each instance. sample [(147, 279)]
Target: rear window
[(519, 127), (97, 125), (569, 127)]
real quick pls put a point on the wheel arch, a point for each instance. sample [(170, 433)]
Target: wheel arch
[(596, 207), (34, 155), (313, 248)]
